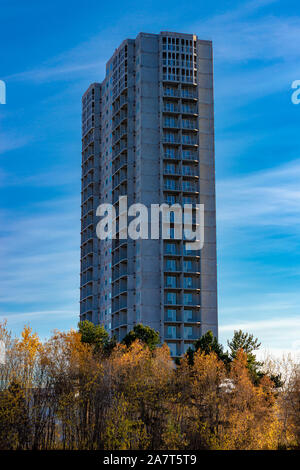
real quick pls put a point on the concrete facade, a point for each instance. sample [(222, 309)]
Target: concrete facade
[(148, 133)]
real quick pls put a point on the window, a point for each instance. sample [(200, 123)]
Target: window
[(171, 265), (171, 314), (170, 199), (170, 248), (188, 299), (170, 152), (188, 332), (188, 282), (187, 265), (171, 281), (170, 183), (171, 298), (171, 332), (188, 315), (186, 346), (173, 349)]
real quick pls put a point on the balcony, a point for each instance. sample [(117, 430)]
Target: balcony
[(191, 316), (188, 79), (86, 291), (190, 155), (119, 319), (120, 148), (86, 306), (171, 249), (187, 109), (119, 303), (189, 140), (119, 119), (171, 156), (171, 123), (88, 139), (119, 179), (171, 139), (191, 300), (87, 249), (86, 222), (171, 186), (171, 284), (118, 273), (189, 171), (171, 267), (167, 77), (187, 186), (119, 287), (172, 332), (86, 277), (122, 132), (178, 48), (171, 299), (194, 253), (120, 258), (87, 154), (171, 108), (88, 165), (191, 267), (172, 171), (191, 283), (190, 125), (171, 92), (172, 315), (120, 103), (174, 349), (171, 77), (189, 93), (119, 163), (87, 193), (88, 179), (191, 333)]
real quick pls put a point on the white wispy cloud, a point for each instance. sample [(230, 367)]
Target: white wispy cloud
[(62, 71), (12, 140), (55, 177), (266, 198), (262, 325), (278, 335), (255, 55), (39, 273)]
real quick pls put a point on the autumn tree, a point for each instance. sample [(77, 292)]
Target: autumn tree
[(207, 344), (143, 333), (248, 344), (69, 392)]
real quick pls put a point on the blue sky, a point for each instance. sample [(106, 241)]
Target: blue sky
[(50, 53)]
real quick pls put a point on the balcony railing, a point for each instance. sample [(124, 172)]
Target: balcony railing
[(186, 93), (189, 156), (187, 186), (171, 124), (171, 108), (178, 48), (171, 140), (189, 125), (186, 109), (171, 92), (189, 171), (173, 156), (119, 149), (172, 187), (171, 171), (189, 140)]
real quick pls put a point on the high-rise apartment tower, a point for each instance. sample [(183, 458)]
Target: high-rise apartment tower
[(148, 133)]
